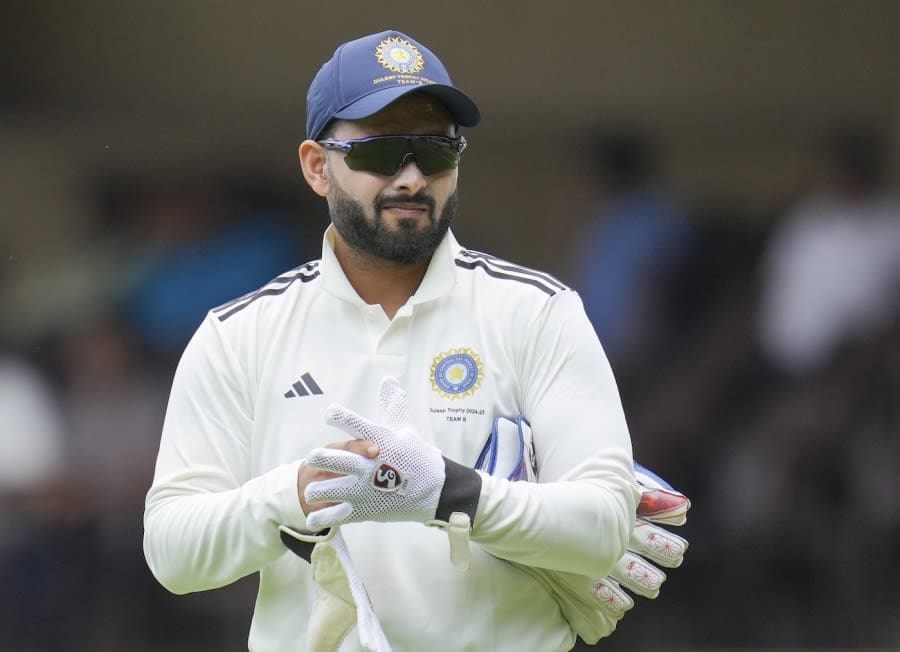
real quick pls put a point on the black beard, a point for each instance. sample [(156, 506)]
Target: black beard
[(405, 246)]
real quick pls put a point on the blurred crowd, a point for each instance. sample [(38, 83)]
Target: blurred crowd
[(759, 364), (83, 391), (758, 358)]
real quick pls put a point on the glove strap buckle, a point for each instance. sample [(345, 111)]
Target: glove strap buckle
[(458, 533), (458, 527)]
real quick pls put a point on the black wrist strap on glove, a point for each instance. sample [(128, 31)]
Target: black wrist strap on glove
[(297, 546), (456, 509), (302, 543), (461, 492), (455, 512)]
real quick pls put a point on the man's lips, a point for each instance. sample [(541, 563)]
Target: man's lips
[(407, 209)]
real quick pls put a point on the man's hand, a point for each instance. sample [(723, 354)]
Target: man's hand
[(402, 482), (307, 474)]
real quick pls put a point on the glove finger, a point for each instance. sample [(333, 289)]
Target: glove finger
[(613, 601), (638, 575), (338, 461), (663, 506), (394, 404), (332, 490), (329, 517), (660, 502), (658, 545), (353, 424)]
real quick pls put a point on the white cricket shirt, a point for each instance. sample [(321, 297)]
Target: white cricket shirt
[(480, 338)]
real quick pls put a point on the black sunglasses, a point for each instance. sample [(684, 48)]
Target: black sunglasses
[(387, 154)]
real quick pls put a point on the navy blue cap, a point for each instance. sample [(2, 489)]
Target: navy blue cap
[(367, 74)]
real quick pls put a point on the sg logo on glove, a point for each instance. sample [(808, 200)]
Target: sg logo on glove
[(387, 478)]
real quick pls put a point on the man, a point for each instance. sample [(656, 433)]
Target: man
[(250, 444)]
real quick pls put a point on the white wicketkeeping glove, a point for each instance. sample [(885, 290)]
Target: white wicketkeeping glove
[(341, 597), (593, 607), (406, 482), (409, 481), (660, 504)]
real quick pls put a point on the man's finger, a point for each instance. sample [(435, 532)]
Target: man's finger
[(332, 490), (394, 403), (329, 517), (350, 422), (335, 460)]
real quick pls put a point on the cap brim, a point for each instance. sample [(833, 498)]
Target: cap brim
[(463, 109)]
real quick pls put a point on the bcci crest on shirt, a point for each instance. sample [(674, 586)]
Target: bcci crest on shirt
[(456, 373)]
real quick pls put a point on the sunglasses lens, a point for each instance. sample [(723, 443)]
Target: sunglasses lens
[(386, 155), (381, 156), (433, 157)]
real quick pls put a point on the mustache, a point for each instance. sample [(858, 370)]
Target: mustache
[(419, 198)]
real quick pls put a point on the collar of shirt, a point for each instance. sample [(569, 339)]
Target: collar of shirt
[(439, 278)]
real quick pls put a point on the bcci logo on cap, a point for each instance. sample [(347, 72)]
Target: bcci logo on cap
[(399, 55), (386, 478)]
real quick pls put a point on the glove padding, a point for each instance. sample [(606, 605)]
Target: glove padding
[(594, 607), (660, 503), (341, 597), (403, 483)]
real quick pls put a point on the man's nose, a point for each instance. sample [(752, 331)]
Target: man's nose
[(409, 177)]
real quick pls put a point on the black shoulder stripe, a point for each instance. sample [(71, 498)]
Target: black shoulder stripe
[(490, 271), (225, 306), (287, 277), (512, 267), (304, 274), (270, 292)]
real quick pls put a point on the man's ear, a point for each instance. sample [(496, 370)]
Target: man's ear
[(312, 164)]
